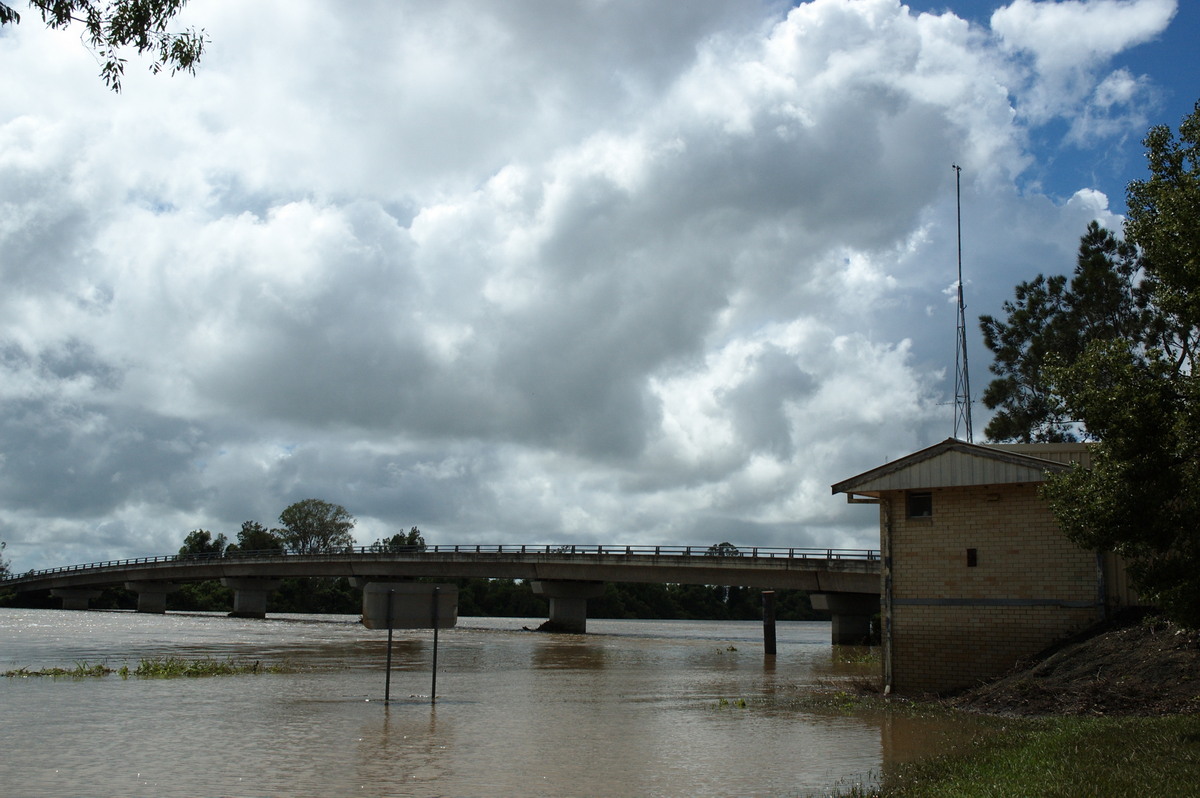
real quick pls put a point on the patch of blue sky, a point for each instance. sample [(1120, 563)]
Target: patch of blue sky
[(1064, 163)]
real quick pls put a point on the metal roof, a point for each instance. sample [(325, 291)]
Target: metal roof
[(954, 463)]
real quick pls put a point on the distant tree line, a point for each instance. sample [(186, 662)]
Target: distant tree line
[(511, 598), (5, 595), (482, 598)]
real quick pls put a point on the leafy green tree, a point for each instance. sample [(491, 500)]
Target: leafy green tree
[(201, 543), (411, 541), (1164, 221), (111, 27), (253, 536), (317, 595), (4, 564), (636, 600), (313, 526), (499, 598), (1141, 496), (1052, 322), (724, 549), (702, 601), (1021, 346), (207, 596)]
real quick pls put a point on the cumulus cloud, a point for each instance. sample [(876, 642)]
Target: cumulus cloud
[(1069, 42), (1074, 34), (523, 272)]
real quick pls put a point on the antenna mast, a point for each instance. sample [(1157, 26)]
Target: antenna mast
[(962, 382)]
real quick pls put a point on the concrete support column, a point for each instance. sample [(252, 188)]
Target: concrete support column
[(152, 596), (75, 598), (852, 614), (249, 595), (568, 603)]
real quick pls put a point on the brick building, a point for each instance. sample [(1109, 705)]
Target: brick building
[(976, 573)]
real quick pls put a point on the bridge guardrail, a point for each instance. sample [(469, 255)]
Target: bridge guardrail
[(755, 552)]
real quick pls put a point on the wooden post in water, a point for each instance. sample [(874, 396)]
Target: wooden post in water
[(768, 598)]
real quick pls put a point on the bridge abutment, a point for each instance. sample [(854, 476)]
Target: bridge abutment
[(75, 598), (250, 595), (568, 603), (852, 614), (152, 596)]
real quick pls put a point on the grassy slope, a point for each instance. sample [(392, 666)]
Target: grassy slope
[(1069, 756), (1113, 712)]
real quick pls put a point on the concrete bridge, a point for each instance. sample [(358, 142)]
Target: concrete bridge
[(846, 582)]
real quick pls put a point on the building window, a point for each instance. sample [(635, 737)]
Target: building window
[(972, 558), (920, 505)]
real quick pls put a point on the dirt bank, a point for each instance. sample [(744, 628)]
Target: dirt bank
[(1134, 665)]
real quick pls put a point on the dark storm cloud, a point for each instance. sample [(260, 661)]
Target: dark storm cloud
[(80, 460)]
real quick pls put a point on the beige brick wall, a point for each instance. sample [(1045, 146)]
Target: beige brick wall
[(942, 649), (954, 625)]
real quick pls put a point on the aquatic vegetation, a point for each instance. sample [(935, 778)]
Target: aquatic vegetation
[(81, 670), (857, 655), (155, 668), (175, 667)]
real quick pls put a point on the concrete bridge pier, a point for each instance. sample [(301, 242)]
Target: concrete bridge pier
[(568, 603), (75, 598), (152, 596), (250, 595), (852, 614)]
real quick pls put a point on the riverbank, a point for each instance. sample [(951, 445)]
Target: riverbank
[(1113, 712), (1121, 757), (1133, 665)]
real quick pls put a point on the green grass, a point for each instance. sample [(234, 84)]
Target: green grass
[(857, 655), (156, 668), (1068, 757)]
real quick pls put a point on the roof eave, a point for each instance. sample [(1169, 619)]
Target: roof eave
[(849, 486)]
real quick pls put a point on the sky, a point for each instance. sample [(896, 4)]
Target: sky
[(536, 272)]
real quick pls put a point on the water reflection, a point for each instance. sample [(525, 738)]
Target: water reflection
[(407, 748)]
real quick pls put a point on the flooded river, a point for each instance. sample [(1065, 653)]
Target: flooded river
[(634, 708)]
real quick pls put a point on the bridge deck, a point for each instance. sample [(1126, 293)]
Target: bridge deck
[(814, 570)]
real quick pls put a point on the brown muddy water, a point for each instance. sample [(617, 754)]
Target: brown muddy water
[(634, 708)]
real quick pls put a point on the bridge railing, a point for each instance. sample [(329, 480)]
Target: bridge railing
[(575, 550)]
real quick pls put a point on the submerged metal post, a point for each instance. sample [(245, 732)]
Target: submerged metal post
[(436, 600), (768, 597), (387, 679)]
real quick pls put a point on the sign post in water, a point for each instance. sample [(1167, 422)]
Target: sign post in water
[(409, 605)]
